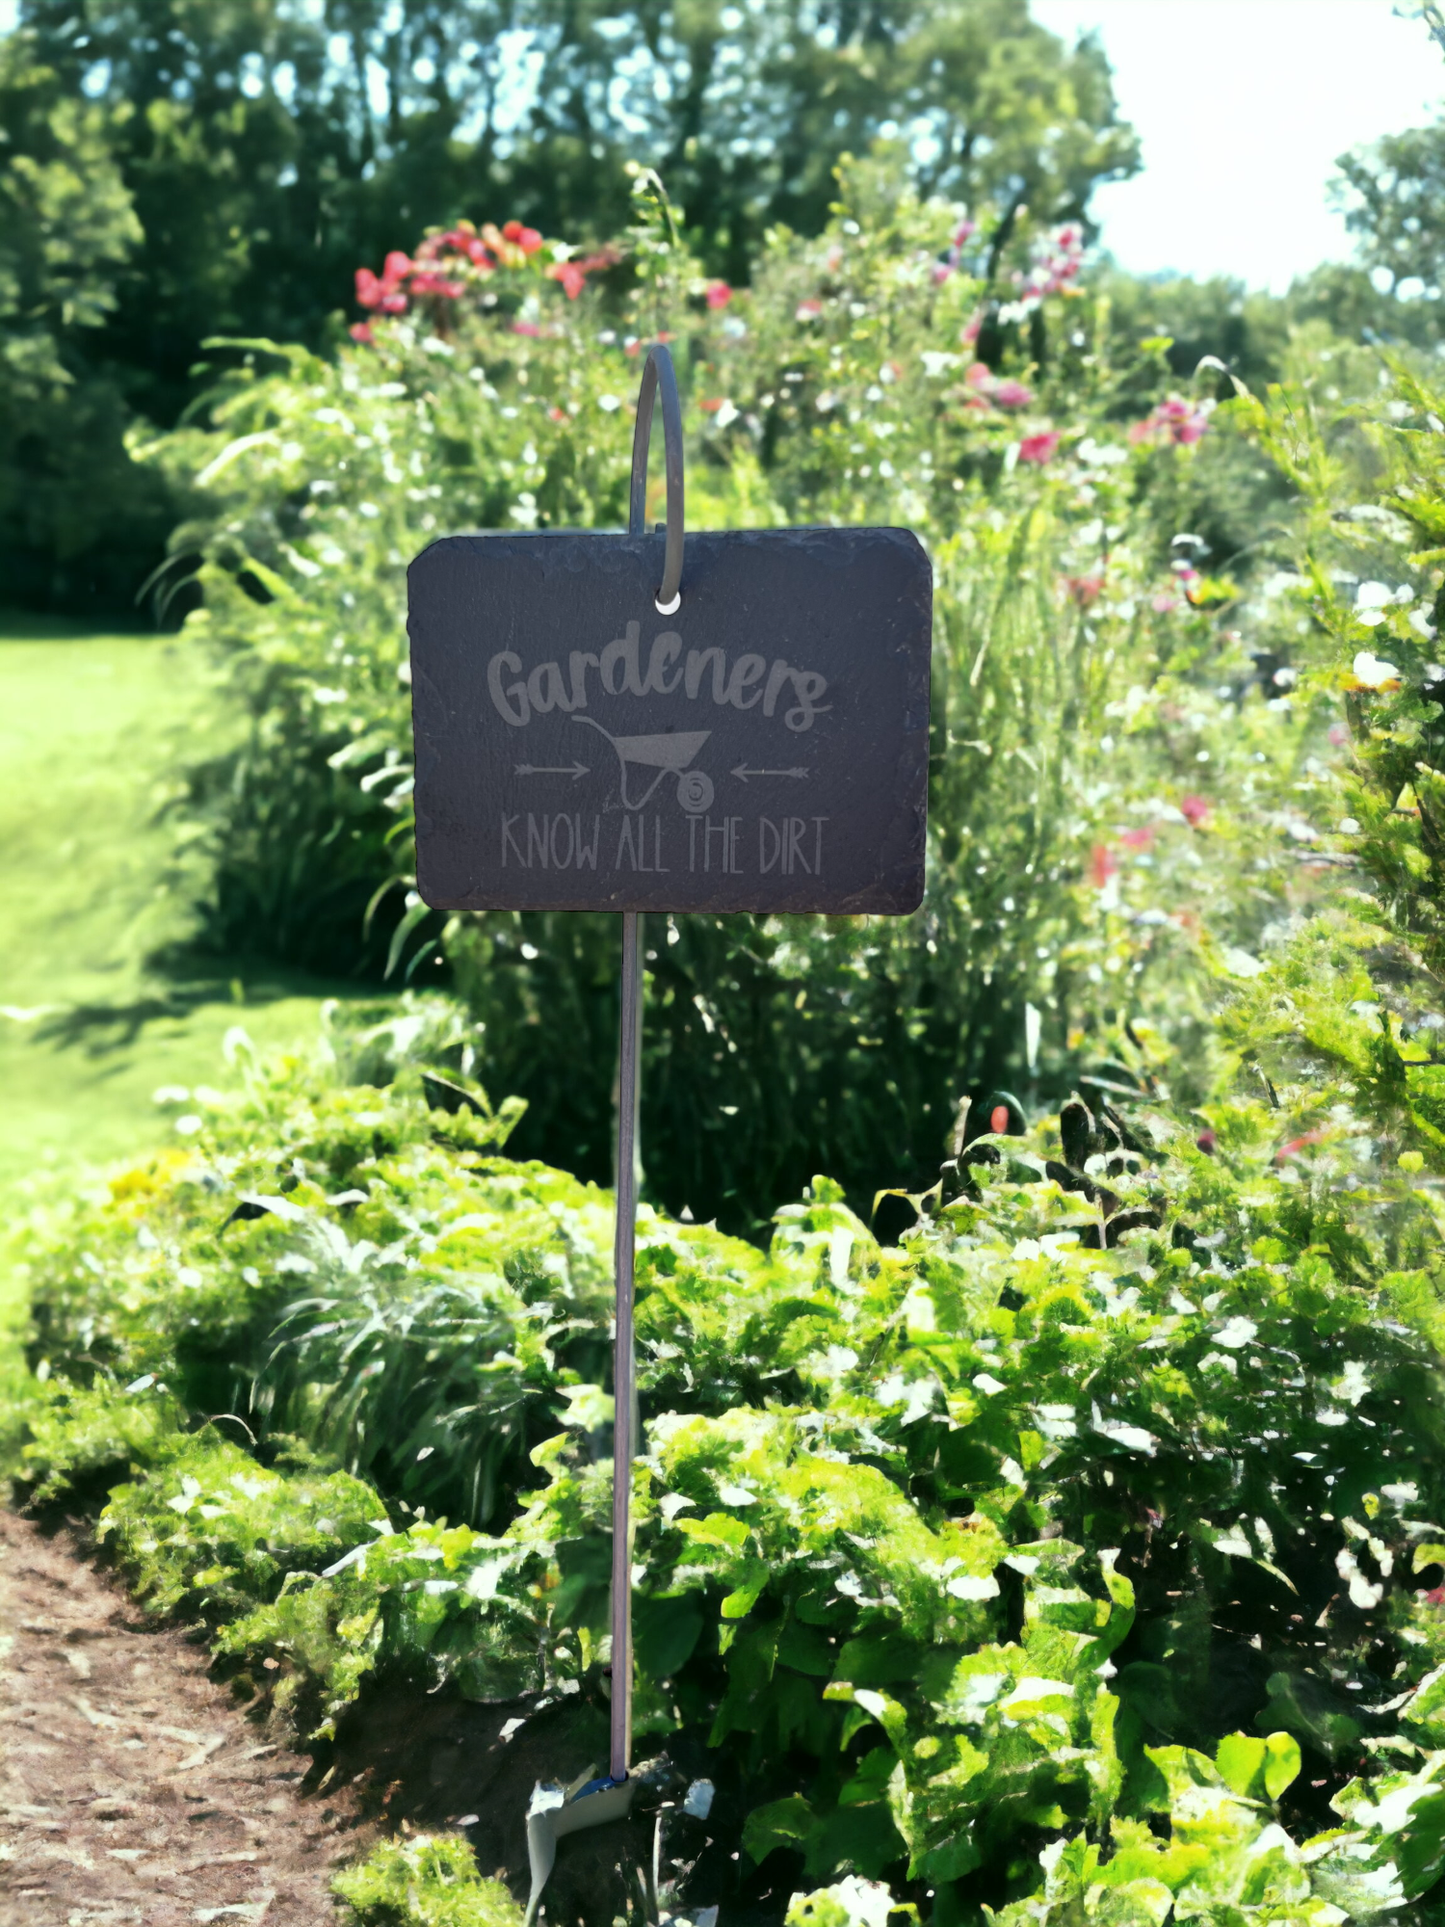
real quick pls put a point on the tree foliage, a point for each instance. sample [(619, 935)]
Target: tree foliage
[(67, 230)]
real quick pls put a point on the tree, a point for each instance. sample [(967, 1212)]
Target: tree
[(267, 148), (67, 228), (1395, 203)]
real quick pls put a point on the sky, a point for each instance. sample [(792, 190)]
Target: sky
[(1242, 108)]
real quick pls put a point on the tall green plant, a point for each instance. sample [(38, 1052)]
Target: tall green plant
[(493, 384)]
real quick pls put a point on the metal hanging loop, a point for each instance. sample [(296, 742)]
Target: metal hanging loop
[(658, 374)]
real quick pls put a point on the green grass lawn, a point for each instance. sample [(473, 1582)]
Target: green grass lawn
[(91, 730)]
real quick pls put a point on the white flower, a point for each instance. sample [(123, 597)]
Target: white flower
[(1371, 672), (1236, 1333)]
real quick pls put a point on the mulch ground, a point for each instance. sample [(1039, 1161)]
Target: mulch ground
[(132, 1787)]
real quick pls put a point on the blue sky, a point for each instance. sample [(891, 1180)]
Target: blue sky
[(1242, 107)]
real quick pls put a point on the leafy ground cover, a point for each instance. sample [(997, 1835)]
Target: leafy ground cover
[(1021, 1538)]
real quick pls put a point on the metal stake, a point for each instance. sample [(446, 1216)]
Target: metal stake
[(624, 1380), (658, 380)]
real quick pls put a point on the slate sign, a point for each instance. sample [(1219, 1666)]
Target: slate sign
[(763, 748)]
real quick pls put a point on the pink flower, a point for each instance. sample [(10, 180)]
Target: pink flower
[(1040, 447), (971, 327), (1103, 864), (425, 282), (940, 271), (1173, 420), (1162, 604), (965, 231), (361, 331), (1194, 810), (808, 310), (718, 294), (998, 1120), (1138, 839), (979, 375), (384, 293), (526, 328), (1339, 735), (1012, 394)]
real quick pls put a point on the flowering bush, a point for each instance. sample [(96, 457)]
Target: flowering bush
[(844, 386)]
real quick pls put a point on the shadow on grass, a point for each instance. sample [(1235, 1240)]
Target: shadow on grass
[(100, 1028)]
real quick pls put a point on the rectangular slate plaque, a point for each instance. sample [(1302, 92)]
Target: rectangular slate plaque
[(763, 748)]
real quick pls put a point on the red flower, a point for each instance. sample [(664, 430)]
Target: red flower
[(808, 310), (1103, 864), (572, 275), (718, 294), (712, 404), (1194, 810), (396, 266), (1296, 1145), (1040, 447), (526, 238), (558, 415), (998, 1120), (1138, 839), (1206, 1141), (1083, 589), (361, 331), (368, 288)]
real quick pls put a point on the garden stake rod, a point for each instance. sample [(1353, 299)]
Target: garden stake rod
[(555, 1811), (657, 375)]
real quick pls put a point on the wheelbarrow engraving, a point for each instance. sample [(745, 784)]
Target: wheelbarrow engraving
[(669, 755)]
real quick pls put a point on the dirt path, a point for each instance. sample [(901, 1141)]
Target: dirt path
[(132, 1789)]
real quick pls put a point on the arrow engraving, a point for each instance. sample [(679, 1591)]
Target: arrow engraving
[(742, 772), (574, 770)]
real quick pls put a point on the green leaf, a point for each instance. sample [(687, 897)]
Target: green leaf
[(1240, 1759), (781, 1823)]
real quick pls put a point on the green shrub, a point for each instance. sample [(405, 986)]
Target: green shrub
[(425, 1882), (950, 1551), (1102, 753)]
